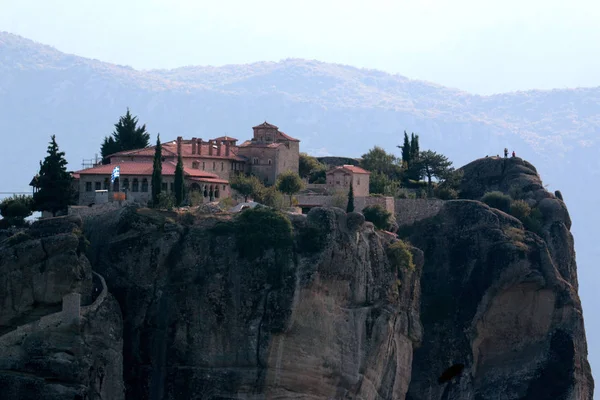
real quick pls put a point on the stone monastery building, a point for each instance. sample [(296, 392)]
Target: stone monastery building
[(208, 165)]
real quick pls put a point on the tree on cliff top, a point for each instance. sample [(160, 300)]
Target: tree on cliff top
[(179, 186), (246, 185), (432, 164), (15, 209), (127, 136), (55, 192), (157, 173), (289, 183)]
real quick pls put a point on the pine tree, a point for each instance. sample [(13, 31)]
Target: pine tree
[(127, 136), (179, 186), (55, 192), (157, 173), (350, 206)]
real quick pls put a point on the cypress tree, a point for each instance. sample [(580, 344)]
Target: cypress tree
[(406, 150), (414, 147), (179, 187), (350, 206), (157, 173)]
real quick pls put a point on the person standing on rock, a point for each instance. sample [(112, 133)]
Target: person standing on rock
[(513, 154), (505, 152)]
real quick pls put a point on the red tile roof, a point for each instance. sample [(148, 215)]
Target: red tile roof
[(287, 137), (350, 169), (265, 125), (210, 180), (229, 138), (144, 168)]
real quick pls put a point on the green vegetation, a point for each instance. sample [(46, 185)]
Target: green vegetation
[(520, 209), (157, 172), (310, 168), (127, 136), (445, 193), (260, 229), (350, 205), (54, 183), (14, 210), (386, 170), (165, 201), (179, 185), (432, 164), (400, 256), (289, 183), (246, 185), (497, 200), (410, 157), (378, 215), (270, 196)]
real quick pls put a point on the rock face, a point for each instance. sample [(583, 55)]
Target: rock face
[(499, 306), (323, 316), (262, 305), (46, 352)]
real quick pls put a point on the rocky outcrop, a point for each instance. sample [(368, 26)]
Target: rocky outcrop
[(46, 352), (500, 310), (207, 314)]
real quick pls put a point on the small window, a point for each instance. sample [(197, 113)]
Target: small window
[(164, 186), (98, 186), (337, 182), (136, 186), (126, 184), (105, 184), (214, 165), (203, 165), (358, 181), (222, 166), (270, 162), (255, 160), (195, 164), (223, 187), (172, 185), (145, 185), (88, 186)]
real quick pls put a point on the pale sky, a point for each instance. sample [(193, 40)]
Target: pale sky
[(481, 46)]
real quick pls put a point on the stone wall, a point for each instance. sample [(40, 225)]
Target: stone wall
[(359, 202), (85, 211), (408, 211)]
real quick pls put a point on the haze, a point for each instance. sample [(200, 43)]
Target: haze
[(482, 47)]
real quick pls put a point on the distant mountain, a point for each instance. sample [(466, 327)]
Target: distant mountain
[(333, 109)]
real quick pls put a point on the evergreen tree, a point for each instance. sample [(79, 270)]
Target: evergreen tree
[(179, 186), (157, 173), (432, 164), (246, 186), (350, 206), (127, 136), (414, 147), (55, 192), (406, 151)]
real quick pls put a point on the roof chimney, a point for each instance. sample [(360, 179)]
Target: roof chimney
[(210, 147), (193, 145), (179, 139), (199, 146), (227, 145), (219, 144)]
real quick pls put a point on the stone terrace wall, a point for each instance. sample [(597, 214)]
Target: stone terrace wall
[(408, 211), (359, 202), (85, 211)]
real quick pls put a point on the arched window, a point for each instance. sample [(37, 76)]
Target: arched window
[(135, 186), (126, 184), (270, 162), (255, 160), (145, 185), (216, 192)]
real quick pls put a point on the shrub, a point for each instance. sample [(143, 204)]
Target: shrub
[(378, 215), (534, 222), (15, 209), (400, 256), (402, 194), (446, 193), (261, 228), (339, 200), (196, 198), (165, 201), (520, 209), (226, 203), (421, 193), (497, 200), (270, 197)]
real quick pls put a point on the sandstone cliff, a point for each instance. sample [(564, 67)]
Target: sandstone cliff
[(46, 352), (210, 314), (270, 306), (499, 303)]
